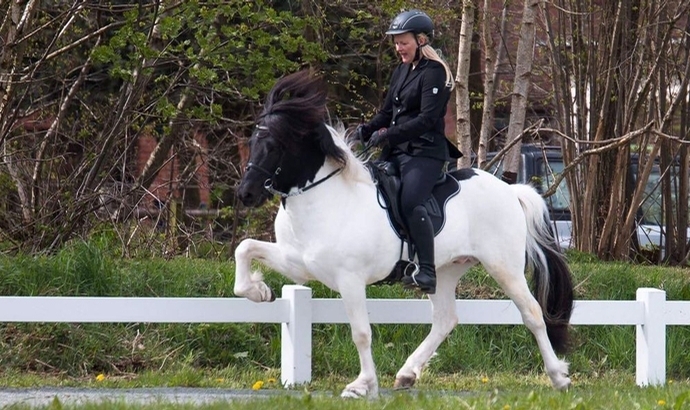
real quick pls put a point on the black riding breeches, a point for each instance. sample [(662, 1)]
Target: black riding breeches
[(418, 176)]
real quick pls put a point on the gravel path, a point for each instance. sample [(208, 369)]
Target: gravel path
[(76, 396)]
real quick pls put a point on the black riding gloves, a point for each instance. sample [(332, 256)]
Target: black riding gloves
[(378, 138), (366, 137)]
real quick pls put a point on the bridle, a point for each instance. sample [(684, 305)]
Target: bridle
[(268, 184)]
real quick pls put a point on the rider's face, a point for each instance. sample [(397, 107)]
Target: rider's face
[(405, 46)]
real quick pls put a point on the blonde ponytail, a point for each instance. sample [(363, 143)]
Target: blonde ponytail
[(431, 54)]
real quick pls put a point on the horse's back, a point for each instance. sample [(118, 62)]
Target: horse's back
[(482, 192), (486, 215)]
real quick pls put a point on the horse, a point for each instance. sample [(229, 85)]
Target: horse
[(331, 228)]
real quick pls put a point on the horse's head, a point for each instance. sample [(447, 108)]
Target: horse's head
[(290, 142)]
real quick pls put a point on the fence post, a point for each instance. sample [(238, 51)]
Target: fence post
[(295, 344), (651, 339)]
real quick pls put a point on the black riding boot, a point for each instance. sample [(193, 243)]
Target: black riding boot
[(422, 235)]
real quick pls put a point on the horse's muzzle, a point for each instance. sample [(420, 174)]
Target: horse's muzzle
[(252, 195)]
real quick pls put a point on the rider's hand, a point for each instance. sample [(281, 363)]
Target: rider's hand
[(363, 133), (378, 138)]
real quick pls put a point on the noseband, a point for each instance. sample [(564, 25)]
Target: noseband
[(268, 184)]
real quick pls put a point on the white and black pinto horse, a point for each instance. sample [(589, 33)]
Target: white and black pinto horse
[(331, 228)]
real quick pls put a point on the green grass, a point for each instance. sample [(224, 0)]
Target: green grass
[(197, 354), (500, 391)]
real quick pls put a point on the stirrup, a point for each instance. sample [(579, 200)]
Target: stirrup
[(414, 273), (412, 283)]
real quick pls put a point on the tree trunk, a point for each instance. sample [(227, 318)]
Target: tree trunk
[(462, 95), (16, 24), (493, 56), (521, 86)]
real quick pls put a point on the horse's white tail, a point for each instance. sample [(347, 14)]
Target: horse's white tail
[(552, 284)]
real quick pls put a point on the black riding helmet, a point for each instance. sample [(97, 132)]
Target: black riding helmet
[(415, 21)]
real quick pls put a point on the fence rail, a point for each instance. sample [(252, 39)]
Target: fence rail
[(297, 311)]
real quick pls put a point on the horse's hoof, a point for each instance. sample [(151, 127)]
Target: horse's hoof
[(564, 385), (403, 382), (351, 393)]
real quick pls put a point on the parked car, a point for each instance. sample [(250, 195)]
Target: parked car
[(540, 164)]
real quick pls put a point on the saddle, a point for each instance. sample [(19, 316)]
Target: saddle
[(387, 179)]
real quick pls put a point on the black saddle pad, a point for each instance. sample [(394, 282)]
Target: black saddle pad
[(388, 184)]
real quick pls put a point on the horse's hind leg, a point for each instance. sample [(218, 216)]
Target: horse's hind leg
[(444, 320), (514, 284), (354, 299), (250, 284)]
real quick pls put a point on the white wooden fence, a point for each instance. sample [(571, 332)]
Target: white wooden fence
[(297, 311)]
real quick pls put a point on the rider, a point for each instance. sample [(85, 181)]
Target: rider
[(410, 129)]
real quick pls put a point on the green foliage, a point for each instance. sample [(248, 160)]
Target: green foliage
[(170, 71), (234, 49)]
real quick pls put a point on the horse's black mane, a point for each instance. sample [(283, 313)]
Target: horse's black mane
[(295, 111)]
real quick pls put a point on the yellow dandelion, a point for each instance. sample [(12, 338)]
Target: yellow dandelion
[(661, 402), (100, 377), (220, 380), (485, 379), (271, 380), (506, 407), (258, 385)]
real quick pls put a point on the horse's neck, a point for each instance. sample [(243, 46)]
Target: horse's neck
[(344, 206), (334, 199)]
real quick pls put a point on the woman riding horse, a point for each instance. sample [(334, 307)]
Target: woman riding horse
[(410, 127), (330, 228)]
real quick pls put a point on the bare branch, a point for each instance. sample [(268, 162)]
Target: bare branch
[(78, 42), (625, 139), (499, 155), (54, 126)]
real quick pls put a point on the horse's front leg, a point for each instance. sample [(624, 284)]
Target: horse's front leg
[(250, 284), (354, 299)]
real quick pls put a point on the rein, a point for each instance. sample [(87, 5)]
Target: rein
[(268, 185)]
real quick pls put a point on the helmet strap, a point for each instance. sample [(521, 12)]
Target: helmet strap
[(418, 53)]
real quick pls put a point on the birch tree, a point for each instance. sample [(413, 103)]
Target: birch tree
[(462, 96), (493, 57), (521, 85)]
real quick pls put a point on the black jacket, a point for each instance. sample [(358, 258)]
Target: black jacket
[(414, 111)]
